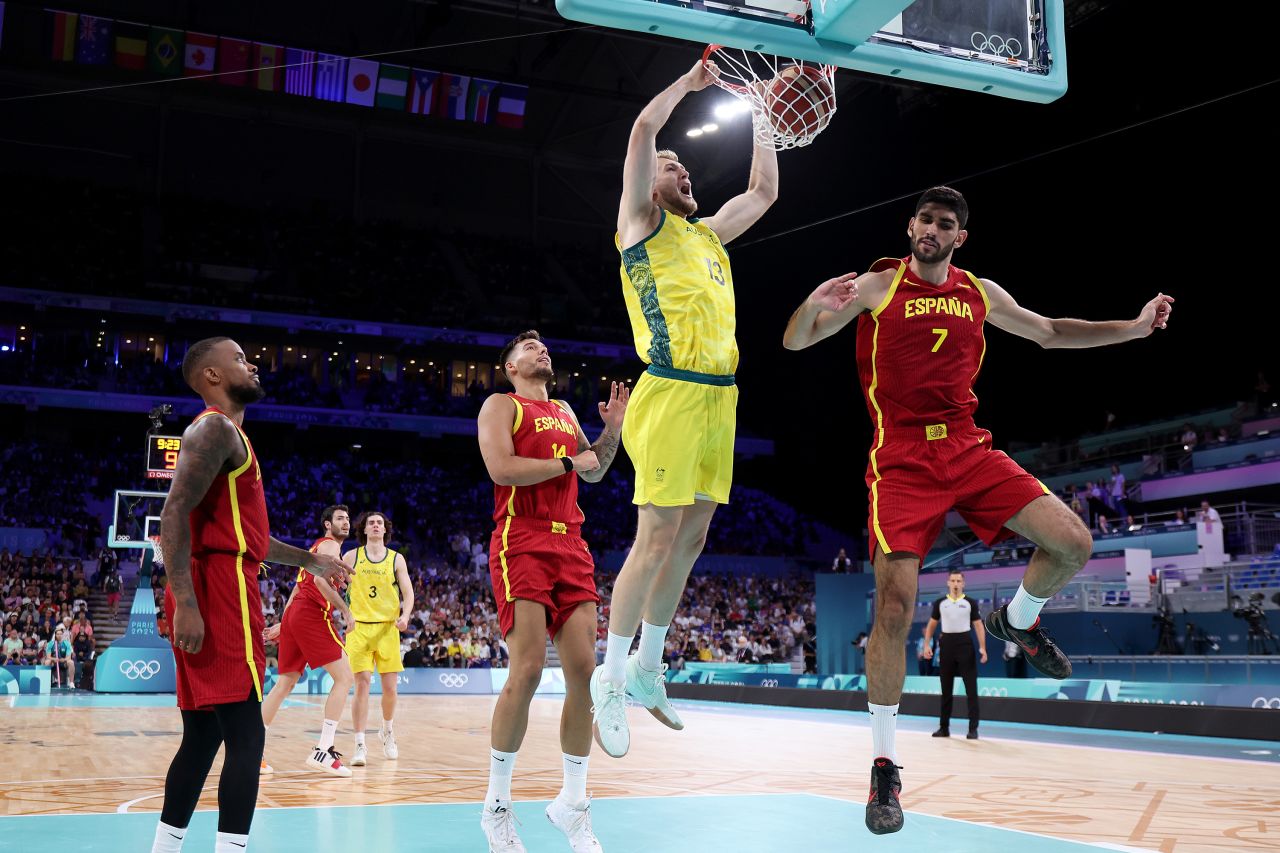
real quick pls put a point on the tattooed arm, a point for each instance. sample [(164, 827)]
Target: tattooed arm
[(322, 565), (208, 445), (606, 446)]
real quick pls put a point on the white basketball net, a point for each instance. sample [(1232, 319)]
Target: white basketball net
[(157, 555), (791, 100)]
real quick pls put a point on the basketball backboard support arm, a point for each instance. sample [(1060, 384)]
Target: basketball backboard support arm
[(844, 33)]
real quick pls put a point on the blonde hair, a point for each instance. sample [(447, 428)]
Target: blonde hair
[(668, 154)]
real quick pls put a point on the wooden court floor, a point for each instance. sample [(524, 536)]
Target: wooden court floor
[(66, 760)]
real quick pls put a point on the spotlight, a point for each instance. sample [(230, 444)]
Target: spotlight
[(695, 132)]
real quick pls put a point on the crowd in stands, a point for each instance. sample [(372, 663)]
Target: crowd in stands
[(44, 610)]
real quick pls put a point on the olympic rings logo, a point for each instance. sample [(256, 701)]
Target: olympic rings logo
[(137, 669), (993, 691), (453, 679), (768, 682), (1263, 702), (998, 45)]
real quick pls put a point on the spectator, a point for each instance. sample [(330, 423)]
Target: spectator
[(1223, 435), (58, 654), (112, 585), (83, 653), (1209, 517), (1119, 500), (414, 658), (1179, 517), (1189, 439), (841, 564), (1132, 525), (1015, 664), (11, 651)]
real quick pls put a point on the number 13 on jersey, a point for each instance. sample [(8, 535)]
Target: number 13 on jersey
[(715, 271)]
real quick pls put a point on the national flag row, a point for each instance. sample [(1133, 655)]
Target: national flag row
[(92, 40)]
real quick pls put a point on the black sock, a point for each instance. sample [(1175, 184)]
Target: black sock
[(244, 736), (201, 737)]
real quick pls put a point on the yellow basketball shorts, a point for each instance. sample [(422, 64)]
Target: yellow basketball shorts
[(374, 643), (679, 435)]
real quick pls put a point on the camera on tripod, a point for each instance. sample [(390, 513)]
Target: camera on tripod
[(1261, 641)]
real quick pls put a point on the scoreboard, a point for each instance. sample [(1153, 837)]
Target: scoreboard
[(162, 456)]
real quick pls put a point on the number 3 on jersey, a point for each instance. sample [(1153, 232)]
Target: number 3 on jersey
[(715, 271)]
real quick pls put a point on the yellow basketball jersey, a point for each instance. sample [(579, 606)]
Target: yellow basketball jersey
[(374, 593), (679, 294)]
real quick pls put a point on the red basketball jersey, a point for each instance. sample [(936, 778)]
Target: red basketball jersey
[(307, 588), (542, 430), (920, 350), (232, 518)]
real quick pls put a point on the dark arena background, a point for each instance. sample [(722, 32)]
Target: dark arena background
[(372, 198)]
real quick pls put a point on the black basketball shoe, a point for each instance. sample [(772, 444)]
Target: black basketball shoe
[(884, 813), (1043, 653)]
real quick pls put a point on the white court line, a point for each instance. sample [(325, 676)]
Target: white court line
[(1104, 845)]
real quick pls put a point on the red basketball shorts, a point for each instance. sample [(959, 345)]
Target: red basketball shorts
[(528, 561), (307, 637), (915, 481), (231, 662)]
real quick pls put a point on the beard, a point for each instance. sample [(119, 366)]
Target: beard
[(543, 373), (246, 394), (674, 201), (934, 257)]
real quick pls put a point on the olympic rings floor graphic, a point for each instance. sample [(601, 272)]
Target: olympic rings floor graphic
[(690, 811)]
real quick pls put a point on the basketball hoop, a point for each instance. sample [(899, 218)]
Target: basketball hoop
[(791, 100), (157, 556)]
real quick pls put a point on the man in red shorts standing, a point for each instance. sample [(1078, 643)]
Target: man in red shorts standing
[(308, 637), (919, 348), (214, 535), (543, 576)]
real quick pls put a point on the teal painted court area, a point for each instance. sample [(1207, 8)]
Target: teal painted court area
[(747, 824)]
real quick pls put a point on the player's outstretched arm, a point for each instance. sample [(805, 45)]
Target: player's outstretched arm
[(831, 306), (322, 565), (742, 211), (1065, 333), (637, 212), (208, 445), (494, 427)]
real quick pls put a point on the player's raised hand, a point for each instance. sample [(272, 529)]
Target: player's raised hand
[(271, 633), (1155, 314), (612, 411), (835, 294), (331, 568), (586, 461), (701, 75)]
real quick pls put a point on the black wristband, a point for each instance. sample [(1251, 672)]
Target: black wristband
[(568, 463)]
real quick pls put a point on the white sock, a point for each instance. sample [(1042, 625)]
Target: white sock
[(360, 738), (574, 791), (652, 640), (884, 725), (1024, 610), (229, 842), (501, 765), (328, 729), (615, 658), (168, 839), (386, 726)]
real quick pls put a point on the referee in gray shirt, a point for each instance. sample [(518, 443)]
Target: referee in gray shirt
[(957, 613)]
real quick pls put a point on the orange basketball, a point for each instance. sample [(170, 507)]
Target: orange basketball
[(799, 100)]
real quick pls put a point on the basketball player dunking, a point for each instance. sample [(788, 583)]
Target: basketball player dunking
[(214, 535), (308, 637), (381, 601), (680, 429), (919, 348), (543, 577)]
